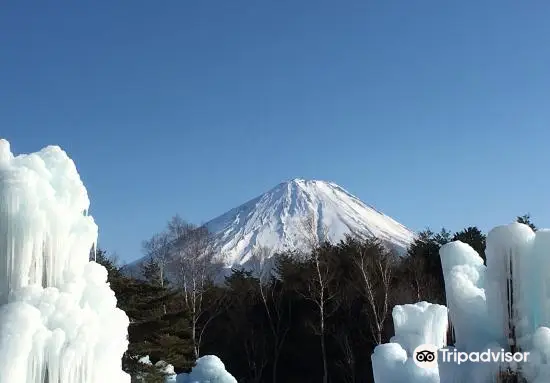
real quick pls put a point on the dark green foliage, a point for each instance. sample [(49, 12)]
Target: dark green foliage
[(151, 272), (424, 254), (241, 336), (146, 373), (473, 237), (109, 262), (159, 327), (244, 308), (443, 237), (270, 331)]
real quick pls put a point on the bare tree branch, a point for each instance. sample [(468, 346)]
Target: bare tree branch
[(318, 289), (375, 266), (273, 300), (192, 256), (158, 250)]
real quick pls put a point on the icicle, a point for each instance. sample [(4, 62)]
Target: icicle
[(55, 305), (502, 306)]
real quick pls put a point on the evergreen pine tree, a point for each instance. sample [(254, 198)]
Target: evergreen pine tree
[(473, 237), (109, 262), (425, 249), (150, 270)]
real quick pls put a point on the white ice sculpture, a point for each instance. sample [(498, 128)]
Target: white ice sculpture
[(58, 317), (421, 323), (208, 369), (502, 306), (464, 275), (415, 324)]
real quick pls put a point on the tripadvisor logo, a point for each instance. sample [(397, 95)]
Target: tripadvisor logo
[(426, 356)]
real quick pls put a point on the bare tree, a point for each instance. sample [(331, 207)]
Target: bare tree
[(347, 363), (177, 228), (273, 300), (318, 289), (194, 261), (375, 266), (415, 269), (345, 331), (414, 284), (157, 249)]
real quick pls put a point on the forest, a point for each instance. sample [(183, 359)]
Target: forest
[(304, 316)]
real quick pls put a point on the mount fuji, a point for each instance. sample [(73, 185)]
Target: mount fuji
[(275, 220)]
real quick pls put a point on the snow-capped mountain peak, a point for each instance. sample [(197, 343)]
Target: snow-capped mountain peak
[(275, 220)]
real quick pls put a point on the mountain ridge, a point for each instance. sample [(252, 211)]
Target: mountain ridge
[(275, 220)]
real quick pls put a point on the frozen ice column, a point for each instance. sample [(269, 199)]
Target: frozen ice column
[(464, 275), (538, 283), (58, 316), (415, 324), (510, 272), (419, 323)]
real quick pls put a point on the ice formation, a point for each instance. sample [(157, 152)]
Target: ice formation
[(501, 307), (415, 324), (58, 317), (421, 323), (208, 369)]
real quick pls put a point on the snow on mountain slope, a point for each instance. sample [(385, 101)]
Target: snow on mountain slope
[(275, 220)]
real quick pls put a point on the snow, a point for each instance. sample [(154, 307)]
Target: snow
[(275, 219), (479, 302), (208, 369), (145, 360), (58, 315)]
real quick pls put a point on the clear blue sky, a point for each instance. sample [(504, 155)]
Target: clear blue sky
[(437, 113)]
